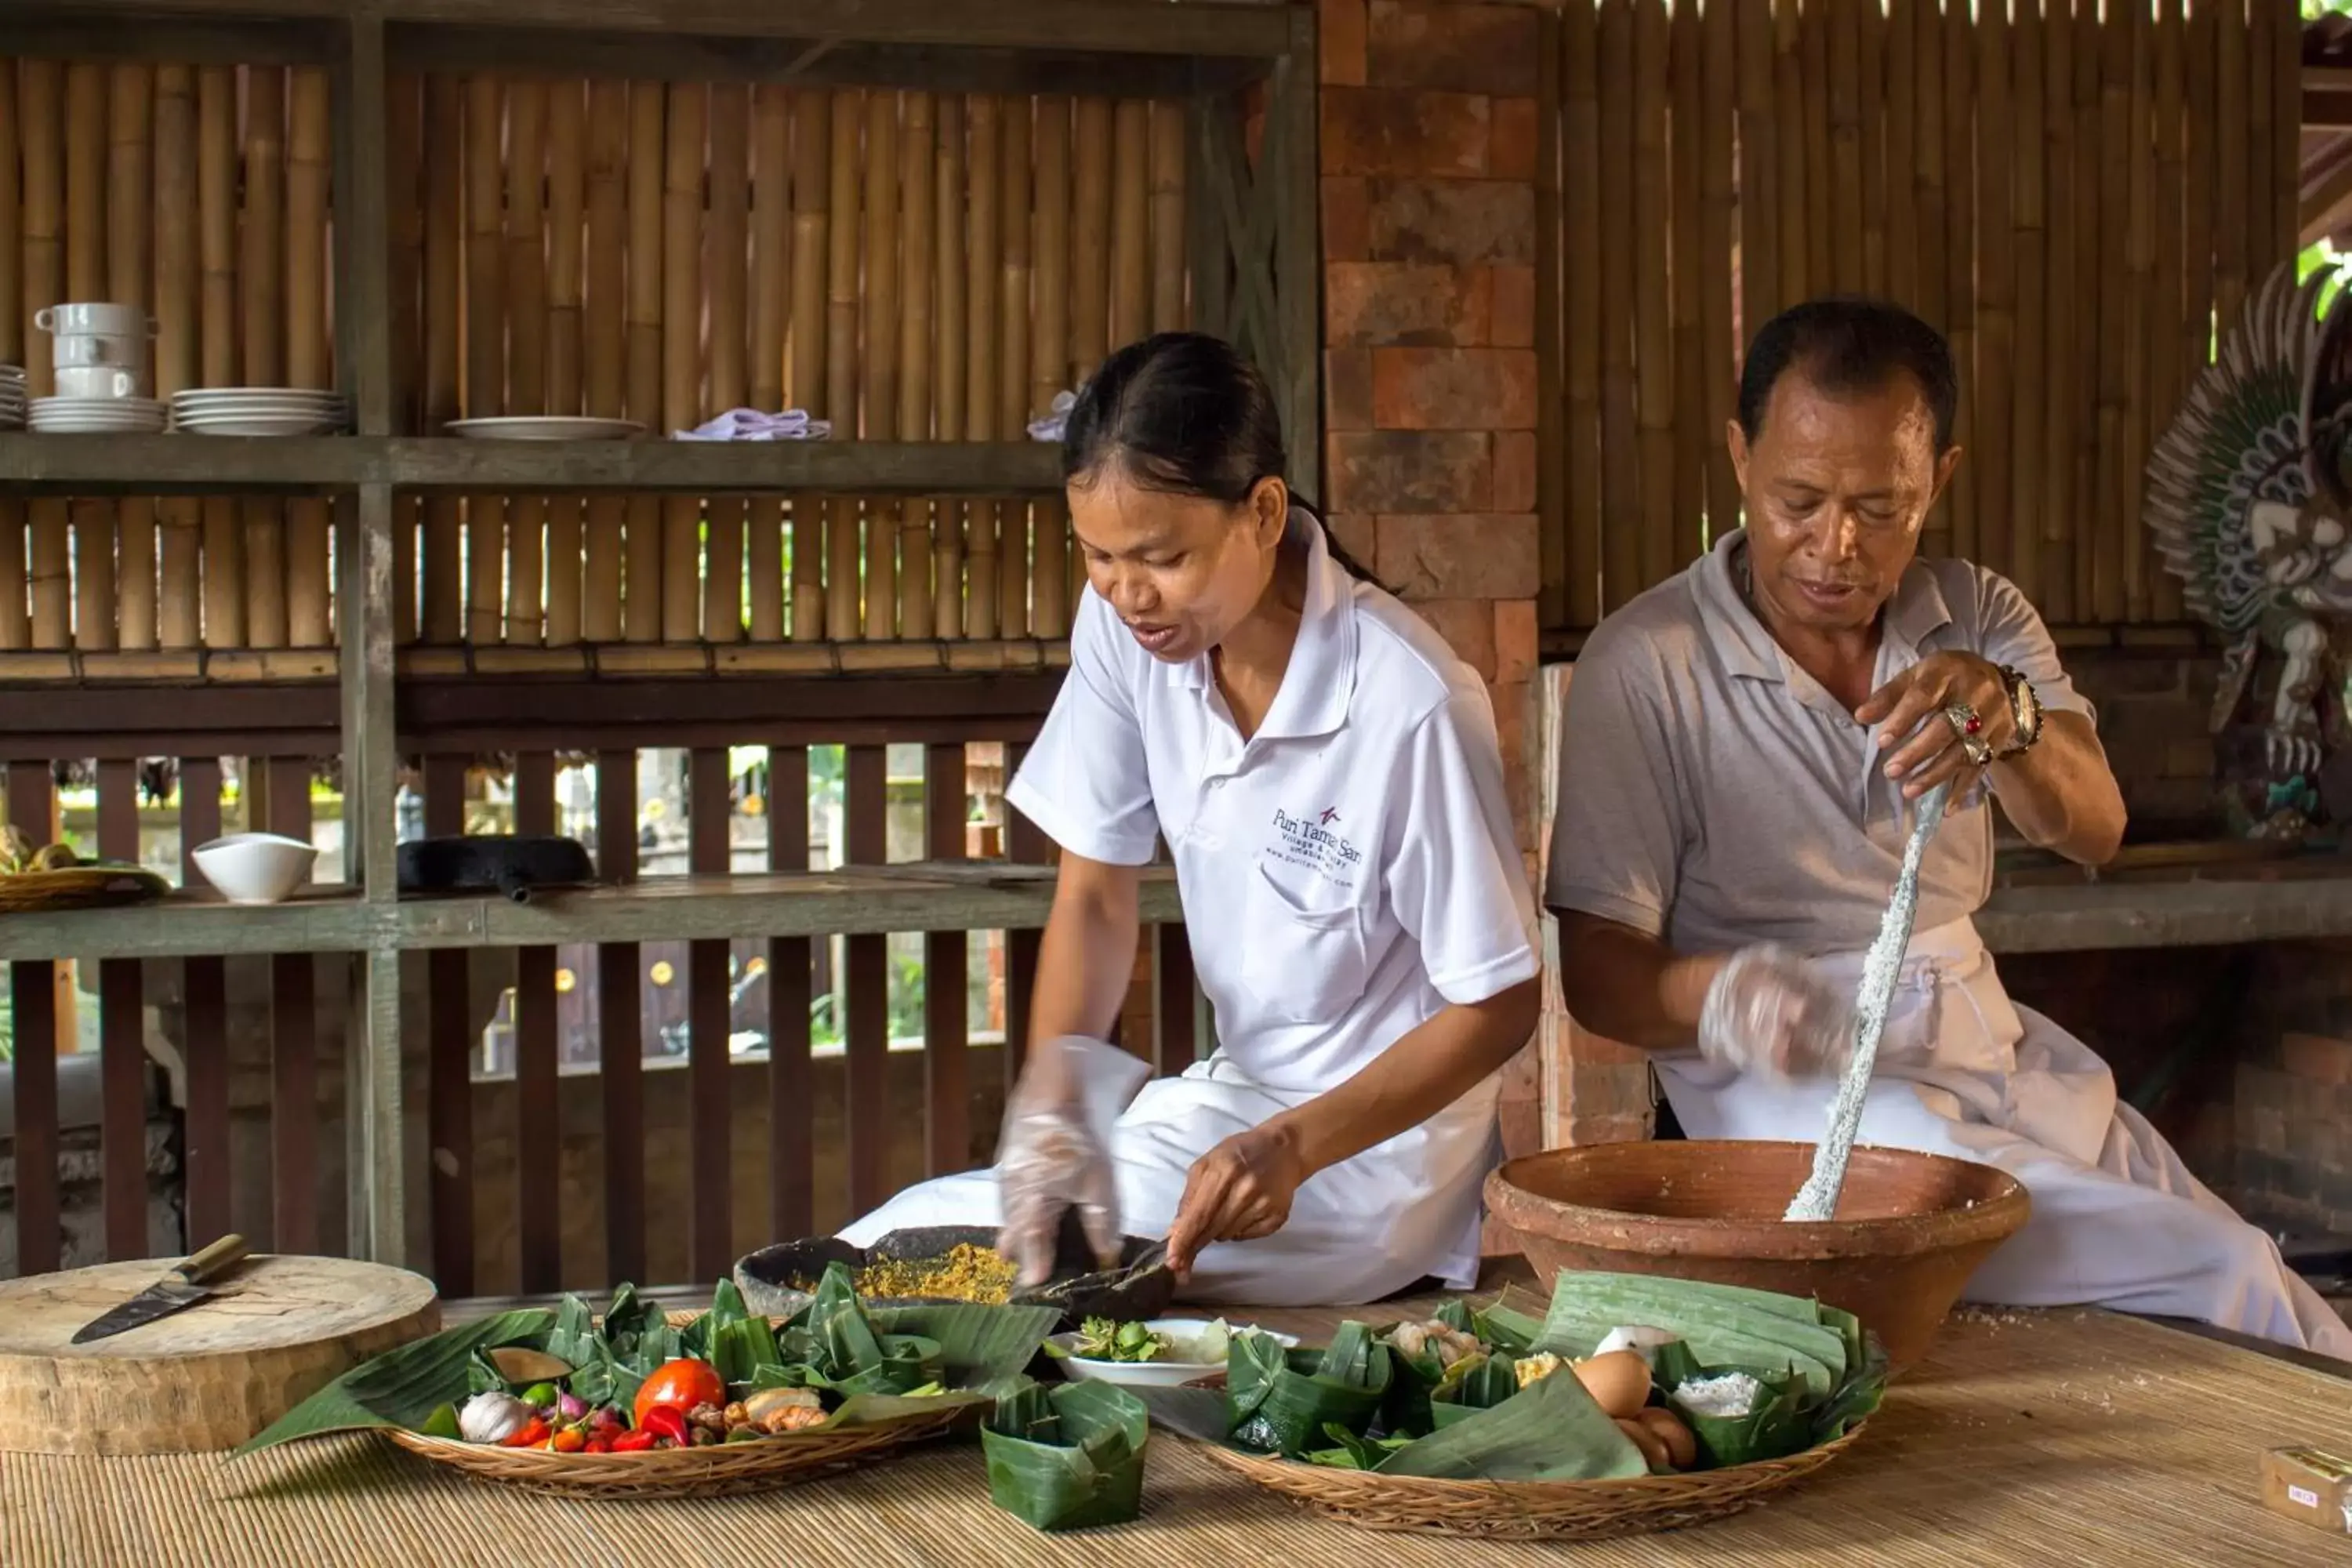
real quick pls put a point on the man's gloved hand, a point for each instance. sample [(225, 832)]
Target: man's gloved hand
[(1050, 1159), (1768, 1012)]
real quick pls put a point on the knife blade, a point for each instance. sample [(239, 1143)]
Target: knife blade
[(183, 1287)]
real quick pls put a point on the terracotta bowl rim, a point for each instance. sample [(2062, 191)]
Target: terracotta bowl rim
[(1992, 1220)]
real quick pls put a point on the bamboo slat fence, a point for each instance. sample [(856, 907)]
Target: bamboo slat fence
[(2078, 197)]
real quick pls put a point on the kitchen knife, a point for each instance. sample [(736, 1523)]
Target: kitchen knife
[(183, 1286)]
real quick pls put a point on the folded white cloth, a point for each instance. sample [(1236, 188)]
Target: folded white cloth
[(1049, 429), (750, 425)]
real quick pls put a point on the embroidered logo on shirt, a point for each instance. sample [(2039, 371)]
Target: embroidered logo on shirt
[(1301, 842)]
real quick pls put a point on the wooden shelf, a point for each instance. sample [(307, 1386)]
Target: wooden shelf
[(2203, 912), (939, 897), (194, 464)]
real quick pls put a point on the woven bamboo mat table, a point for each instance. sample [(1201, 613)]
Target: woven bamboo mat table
[(2037, 1438)]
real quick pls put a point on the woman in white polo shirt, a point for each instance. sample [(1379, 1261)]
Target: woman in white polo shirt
[(1326, 775)]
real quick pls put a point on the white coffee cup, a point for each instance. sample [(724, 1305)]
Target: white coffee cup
[(107, 321), (84, 349), (96, 381)]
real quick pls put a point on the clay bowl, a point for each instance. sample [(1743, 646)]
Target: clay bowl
[(1910, 1228)]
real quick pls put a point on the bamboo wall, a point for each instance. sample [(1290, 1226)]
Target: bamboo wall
[(907, 265), (200, 192), (2074, 199)]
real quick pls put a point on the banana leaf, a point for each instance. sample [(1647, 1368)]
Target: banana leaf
[(1351, 1452), (482, 1375), (1480, 1386), (1724, 1325), (1455, 1313), (1279, 1403), (977, 1345), (1550, 1431), (626, 1317), (1857, 1399), (701, 1338), (1412, 1382), (402, 1387), (1070, 1457), (1506, 1329), (741, 1348), (1776, 1426), (575, 1337)]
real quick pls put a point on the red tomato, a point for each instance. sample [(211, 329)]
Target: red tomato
[(685, 1383)]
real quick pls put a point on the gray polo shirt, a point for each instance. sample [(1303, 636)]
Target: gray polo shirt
[(1712, 793)]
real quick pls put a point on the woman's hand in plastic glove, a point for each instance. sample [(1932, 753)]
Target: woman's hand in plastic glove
[(1050, 1159), (1769, 1012)]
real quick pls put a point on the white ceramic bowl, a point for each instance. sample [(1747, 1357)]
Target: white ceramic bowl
[(256, 867), (1159, 1373)]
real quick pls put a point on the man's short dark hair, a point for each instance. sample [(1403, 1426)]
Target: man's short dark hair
[(1847, 345)]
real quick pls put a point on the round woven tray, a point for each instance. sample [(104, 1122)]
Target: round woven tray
[(80, 887), (723, 1470), (1527, 1511)]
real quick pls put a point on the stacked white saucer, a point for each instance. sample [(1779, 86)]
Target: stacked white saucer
[(260, 411), (97, 416), (12, 397)]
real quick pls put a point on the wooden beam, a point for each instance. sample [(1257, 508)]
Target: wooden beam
[(1293, 168), (80, 34), (2327, 201), (753, 709)]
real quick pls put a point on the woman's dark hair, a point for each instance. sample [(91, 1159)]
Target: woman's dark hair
[(1845, 345), (1183, 414)]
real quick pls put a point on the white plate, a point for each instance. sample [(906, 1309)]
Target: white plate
[(255, 400), (259, 424), (545, 427), (1155, 1373)]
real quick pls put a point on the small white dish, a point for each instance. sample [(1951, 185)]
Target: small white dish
[(545, 427), (256, 867), (1162, 1372)]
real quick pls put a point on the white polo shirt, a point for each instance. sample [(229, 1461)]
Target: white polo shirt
[(1346, 872)]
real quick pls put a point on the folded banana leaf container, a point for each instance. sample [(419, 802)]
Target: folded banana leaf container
[(1068, 1457), (780, 1280)]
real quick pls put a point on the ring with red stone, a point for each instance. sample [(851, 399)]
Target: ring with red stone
[(1967, 726)]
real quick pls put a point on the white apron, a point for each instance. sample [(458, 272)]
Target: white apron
[(1365, 1229), (2117, 1220)]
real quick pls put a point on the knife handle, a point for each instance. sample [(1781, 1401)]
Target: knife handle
[(214, 1260)]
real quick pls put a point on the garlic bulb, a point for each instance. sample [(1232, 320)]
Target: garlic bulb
[(492, 1416)]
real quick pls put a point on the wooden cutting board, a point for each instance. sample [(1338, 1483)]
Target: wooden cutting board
[(277, 1330)]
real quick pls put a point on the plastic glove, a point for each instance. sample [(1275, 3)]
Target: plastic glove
[(1768, 1012), (1050, 1159)]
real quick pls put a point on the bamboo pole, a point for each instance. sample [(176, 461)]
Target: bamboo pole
[(1960, 209), (880, 356), (983, 251), (606, 327), (2089, 282), (525, 240), (261, 282), (405, 323), (1130, 265), (222, 546), (567, 198), (772, 230), (93, 574), (135, 589), (2030, 408), (484, 330), (85, 144), (2231, 276), (1014, 220), (727, 253), (52, 573), (1789, 114), (1719, 352), (442, 617), (1902, 152), (686, 151), (15, 606), (948, 378), (2117, 318), (1686, 108), (16, 610), (2202, 123), (126, 616), (1874, 146), (1759, 172), (2285, 171), (2262, 220), (2168, 384), (1049, 323), (918, 280), (41, 104), (1654, 361), (812, 246), (845, 554), (1996, 276), (1621, 474), (1928, 151), (1168, 312), (641, 603), (1837, 25), (309, 522), (2139, 261), (2054, 506), (1582, 327), (1090, 238)]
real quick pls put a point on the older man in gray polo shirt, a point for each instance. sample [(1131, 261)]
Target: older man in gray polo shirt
[(1743, 746)]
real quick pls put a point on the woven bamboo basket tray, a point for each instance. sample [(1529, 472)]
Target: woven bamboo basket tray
[(1528, 1510), (723, 1470), (79, 888)]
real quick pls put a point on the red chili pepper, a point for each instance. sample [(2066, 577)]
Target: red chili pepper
[(666, 1421), (533, 1433), (597, 1446), (636, 1442)]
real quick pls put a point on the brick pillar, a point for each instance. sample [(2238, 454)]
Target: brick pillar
[(1428, 154)]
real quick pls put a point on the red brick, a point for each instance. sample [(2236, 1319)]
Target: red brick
[(1467, 221), (1390, 304), (1510, 703), (2315, 1060), (1411, 470), (1340, 27), (1356, 534), (1454, 389), (1468, 49), (1459, 557), (1466, 624), (1515, 471), (1380, 130), (1511, 139), (1346, 220), (1348, 389), (1516, 641), (1512, 290)]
